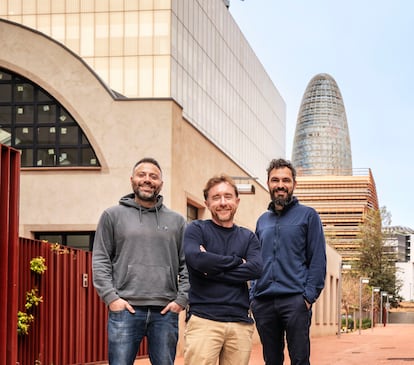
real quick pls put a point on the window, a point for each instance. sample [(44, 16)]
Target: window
[(35, 123), (82, 240), (192, 212)]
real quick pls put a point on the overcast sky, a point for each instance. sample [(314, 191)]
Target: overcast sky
[(367, 46)]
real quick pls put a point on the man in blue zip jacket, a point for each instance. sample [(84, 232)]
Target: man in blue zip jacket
[(221, 257), (294, 269)]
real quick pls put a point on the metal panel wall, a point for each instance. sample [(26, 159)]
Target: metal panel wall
[(9, 223), (70, 323)]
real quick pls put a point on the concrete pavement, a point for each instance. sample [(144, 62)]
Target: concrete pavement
[(391, 345)]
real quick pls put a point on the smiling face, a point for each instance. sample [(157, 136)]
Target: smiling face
[(281, 185), (146, 183), (222, 203)]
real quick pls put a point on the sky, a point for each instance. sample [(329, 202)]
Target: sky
[(367, 46)]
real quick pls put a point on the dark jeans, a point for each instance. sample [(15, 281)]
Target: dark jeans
[(276, 317), (126, 330)]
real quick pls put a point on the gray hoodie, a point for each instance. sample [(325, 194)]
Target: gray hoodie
[(138, 255)]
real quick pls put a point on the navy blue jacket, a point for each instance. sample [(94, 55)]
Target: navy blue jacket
[(294, 252), (218, 277)]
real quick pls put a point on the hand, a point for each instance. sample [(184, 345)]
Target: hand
[(173, 307), (202, 249), (121, 304), (308, 305)]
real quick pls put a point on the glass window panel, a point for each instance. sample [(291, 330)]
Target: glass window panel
[(72, 32), (29, 7), (65, 117), (46, 157), (68, 156), (46, 135), (162, 4), (5, 136), (87, 35), (5, 76), (24, 93), (43, 6), (24, 136), (46, 113), (162, 76), (88, 157), (51, 238), (102, 5), (116, 73), (131, 5), (131, 69), (79, 241), (146, 4), (5, 93), (42, 96), (101, 34), (192, 213), (58, 27), (145, 33), (5, 115), (131, 33), (69, 135), (26, 158), (162, 32), (145, 76), (24, 114), (72, 6)]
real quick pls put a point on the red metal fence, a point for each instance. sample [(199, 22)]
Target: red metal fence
[(9, 223), (70, 323)]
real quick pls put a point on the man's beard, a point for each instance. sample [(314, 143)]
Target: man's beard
[(144, 196), (279, 200)]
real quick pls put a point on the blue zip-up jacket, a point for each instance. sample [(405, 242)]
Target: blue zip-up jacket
[(293, 251)]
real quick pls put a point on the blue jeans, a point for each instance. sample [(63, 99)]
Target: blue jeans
[(278, 316), (126, 330)]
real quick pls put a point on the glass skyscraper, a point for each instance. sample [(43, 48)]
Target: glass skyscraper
[(322, 144)]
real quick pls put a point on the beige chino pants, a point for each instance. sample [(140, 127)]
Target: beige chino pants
[(207, 341)]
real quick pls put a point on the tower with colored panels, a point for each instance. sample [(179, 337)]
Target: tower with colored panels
[(322, 144)]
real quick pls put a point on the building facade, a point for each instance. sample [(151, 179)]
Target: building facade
[(398, 241), (342, 203)]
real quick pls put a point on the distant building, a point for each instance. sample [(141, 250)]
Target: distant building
[(323, 159), (342, 203), (322, 140), (398, 241)]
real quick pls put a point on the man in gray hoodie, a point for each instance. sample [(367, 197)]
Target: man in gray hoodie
[(139, 270)]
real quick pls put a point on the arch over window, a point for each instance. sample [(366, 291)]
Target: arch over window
[(35, 123)]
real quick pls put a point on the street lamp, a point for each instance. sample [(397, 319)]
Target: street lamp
[(388, 307), (375, 289), (341, 267), (383, 294), (361, 281)]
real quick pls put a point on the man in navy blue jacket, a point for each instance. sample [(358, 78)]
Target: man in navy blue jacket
[(294, 269), (221, 257)]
